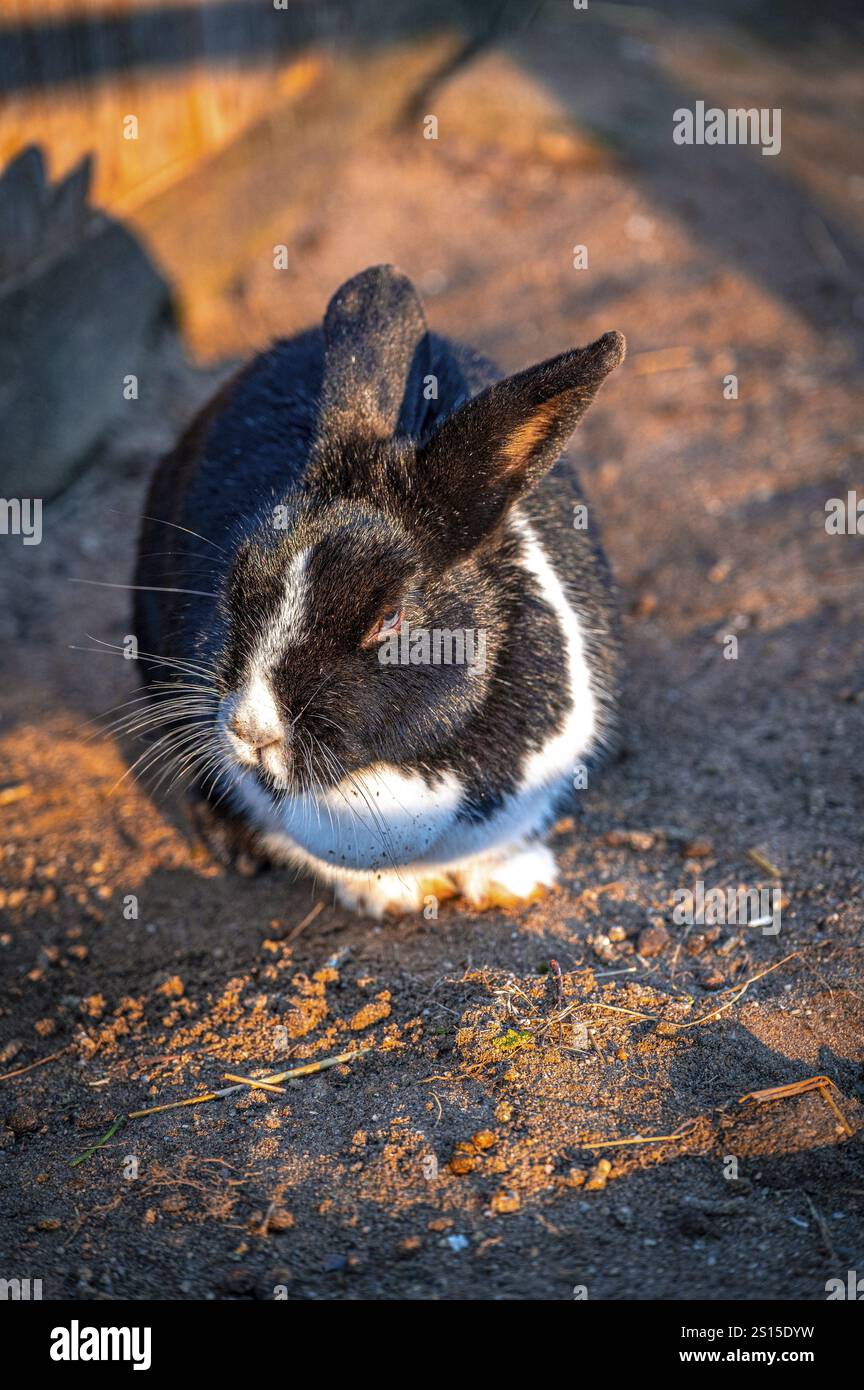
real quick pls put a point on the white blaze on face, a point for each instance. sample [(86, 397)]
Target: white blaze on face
[(289, 624), (254, 711), (285, 627)]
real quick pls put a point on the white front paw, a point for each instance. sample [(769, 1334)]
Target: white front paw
[(393, 892), (520, 874)]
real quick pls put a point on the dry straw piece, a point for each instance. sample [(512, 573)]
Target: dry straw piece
[(822, 1084), (256, 1085), (308, 1069), (682, 1132)]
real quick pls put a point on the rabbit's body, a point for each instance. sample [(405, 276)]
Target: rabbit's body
[(335, 507)]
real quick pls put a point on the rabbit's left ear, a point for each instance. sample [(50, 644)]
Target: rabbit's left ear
[(499, 445), (374, 329)]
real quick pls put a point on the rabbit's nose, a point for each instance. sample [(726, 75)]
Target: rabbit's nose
[(253, 732), (254, 721)]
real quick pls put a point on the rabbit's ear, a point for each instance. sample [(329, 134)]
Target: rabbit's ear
[(492, 450), (374, 329)]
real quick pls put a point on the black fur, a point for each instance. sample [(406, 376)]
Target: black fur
[(399, 500)]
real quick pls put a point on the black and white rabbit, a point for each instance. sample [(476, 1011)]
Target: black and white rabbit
[(351, 489)]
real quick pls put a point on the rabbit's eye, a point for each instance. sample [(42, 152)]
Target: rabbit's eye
[(391, 623), (385, 627)]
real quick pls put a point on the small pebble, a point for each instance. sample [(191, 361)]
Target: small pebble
[(602, 947), (24, 1119), (463, 1159), (697, 849), (505, 1202), (599, 1176), (653, 940), (236, 1281), (631, 839), (713, 979)]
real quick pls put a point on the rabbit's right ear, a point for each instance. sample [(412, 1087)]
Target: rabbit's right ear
[(490, 452), (374, 329)]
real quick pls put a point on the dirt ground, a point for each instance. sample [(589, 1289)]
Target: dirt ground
[(462, 1156)]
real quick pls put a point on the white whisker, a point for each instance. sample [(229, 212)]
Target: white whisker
[(160, 521), (147, 588)]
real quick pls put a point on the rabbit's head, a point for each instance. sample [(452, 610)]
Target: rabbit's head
[(366, 617)]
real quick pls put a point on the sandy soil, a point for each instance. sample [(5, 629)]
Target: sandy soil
[(460, 1156)]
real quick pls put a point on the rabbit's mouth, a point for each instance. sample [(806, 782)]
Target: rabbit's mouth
[(272, 764), (274, 768), (255, 736)]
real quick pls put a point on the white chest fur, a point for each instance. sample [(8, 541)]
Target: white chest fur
[(377, 819)]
